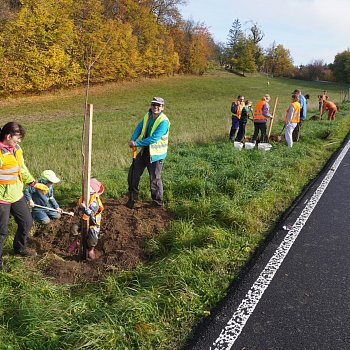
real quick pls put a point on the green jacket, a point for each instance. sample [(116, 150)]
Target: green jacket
[(13, 193)]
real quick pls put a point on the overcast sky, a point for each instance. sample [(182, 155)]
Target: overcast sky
[(309, 29)]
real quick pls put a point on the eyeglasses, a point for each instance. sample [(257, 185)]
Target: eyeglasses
[(156, 105)]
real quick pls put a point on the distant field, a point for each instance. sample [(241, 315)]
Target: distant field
[(224, 202)]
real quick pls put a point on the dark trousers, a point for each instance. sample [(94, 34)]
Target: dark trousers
[(136, 170), (262, 128), (241, 131), (296, 131), (23, 218), (234, 128)]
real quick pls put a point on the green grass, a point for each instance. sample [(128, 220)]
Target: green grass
[(224, 202)]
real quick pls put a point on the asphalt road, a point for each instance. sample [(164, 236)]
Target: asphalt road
[(295, 293)]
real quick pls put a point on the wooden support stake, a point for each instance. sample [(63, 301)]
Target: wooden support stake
[(271, 120), (86, 152)]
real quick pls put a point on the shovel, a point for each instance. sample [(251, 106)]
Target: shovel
[(130, 203), (52, 209)]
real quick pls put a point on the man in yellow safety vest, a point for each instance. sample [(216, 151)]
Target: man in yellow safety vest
[(151, 137)]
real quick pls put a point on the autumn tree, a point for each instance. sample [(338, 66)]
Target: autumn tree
[(35, 47), (341, 67), (45, 44), (278, 61)]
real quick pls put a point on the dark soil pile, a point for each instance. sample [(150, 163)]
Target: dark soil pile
[(123, 233)]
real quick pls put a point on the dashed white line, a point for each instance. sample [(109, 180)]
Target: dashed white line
[(240, 317)]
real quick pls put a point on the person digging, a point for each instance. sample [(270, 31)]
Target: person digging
[(92, 212), (151, 137), (42, 195)]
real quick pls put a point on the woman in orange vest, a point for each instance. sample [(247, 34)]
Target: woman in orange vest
[(261, 116), (332, 109), (292, 119), (13, 175)]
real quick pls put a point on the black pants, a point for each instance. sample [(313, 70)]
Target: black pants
[(241, 131), (296, 131), (142, 162), (262, 128), (23, 218)]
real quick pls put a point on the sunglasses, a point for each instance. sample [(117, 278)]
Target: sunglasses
[(155, 105)]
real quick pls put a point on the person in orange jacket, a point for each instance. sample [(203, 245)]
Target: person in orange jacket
[(260, 118), (332, 109)]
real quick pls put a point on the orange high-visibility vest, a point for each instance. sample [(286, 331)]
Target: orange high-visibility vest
[(296, 113), (11, 165), (94, 197), (258, 113), (240, 106)]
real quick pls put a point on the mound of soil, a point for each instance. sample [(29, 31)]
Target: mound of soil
[(123, 233)]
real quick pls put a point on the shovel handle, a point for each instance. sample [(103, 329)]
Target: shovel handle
[(134, 152), (52, 209)]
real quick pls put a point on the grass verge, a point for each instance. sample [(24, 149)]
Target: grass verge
[(225, 202)]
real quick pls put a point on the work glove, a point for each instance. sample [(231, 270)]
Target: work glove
[(31, 203), (41, 187)]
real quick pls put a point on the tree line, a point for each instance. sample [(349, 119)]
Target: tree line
[(242, 53), (48, 44)]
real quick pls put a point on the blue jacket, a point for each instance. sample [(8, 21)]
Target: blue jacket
[(161, 130), (303, 107), (38, 197)]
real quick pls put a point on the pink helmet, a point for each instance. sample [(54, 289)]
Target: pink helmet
[(96, 186)]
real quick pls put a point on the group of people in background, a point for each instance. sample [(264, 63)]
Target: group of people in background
[(295, 116)]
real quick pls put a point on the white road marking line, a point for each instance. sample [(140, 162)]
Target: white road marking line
[(240, 317)]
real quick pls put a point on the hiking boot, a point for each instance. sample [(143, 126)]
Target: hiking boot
[(27, 253), (130, 204), (157, 203)]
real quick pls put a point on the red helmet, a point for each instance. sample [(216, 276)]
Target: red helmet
[(96, 186)]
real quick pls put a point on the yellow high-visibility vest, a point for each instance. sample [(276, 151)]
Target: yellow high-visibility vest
[(296, 114), (161, 146), (11, 165), (94, 197)]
